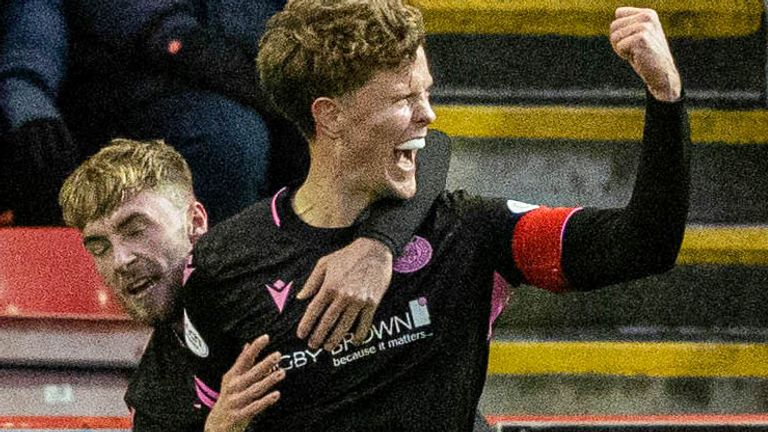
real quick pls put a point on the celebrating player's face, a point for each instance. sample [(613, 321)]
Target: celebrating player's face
[(386, 121), (140, 251)]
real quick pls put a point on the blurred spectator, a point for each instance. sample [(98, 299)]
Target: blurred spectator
[(74, 74)]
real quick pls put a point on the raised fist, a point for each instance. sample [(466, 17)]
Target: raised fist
[(637, 36)]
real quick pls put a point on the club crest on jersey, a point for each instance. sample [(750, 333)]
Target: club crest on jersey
[(416, 254), (520, 207), (192, 338), (279, 291)]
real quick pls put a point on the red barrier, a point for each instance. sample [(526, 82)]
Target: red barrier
[(46, 272), (640, 420), (120, 423), (65, 423)]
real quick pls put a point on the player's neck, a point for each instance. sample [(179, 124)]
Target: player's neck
[(325, 200)]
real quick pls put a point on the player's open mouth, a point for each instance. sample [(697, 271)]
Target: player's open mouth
[(405, 153)]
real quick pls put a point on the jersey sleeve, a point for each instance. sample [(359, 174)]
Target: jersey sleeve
[(609, 246), (530, 252), (561, 249), (526, 240)]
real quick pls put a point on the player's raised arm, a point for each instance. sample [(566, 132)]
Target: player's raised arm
[(591, 248)]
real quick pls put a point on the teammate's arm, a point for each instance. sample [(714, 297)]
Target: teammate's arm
[(354, 279)]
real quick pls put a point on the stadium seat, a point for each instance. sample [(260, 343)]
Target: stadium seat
[(46, 273)]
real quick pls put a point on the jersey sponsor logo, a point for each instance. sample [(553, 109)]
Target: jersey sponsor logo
[(390, 333), (416, 254), (279, 291), (520, 207), (299, 359), (192, 337)]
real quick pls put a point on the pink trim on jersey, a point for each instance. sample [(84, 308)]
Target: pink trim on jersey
[(188, 269), (562, 231), (499, 300), (205, 394), (275, 216), (208, 391), (537, 247), (205, 400)]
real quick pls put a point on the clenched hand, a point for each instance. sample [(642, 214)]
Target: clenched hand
[(637, 36)]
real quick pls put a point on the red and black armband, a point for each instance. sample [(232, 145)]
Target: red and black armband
[(537, 247)]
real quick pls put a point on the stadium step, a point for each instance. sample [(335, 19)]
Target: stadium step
[(503, 52), (594, 123), (725, 245), (723, 18), (571, 155), (703, 359)]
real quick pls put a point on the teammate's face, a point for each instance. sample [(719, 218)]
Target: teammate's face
[(140, 251), (390, 110)]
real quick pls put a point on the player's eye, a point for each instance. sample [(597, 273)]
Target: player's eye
[(97, 248)]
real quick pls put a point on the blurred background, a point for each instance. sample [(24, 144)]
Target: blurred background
[(542, 111)]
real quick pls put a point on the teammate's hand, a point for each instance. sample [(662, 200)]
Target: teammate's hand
[(243, 389), (637, 36), (354, 280)]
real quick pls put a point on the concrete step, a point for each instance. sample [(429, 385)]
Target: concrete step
[(502, 52), (722, 18), (594, 123), (721, 303), (585, 398), (587, 156)]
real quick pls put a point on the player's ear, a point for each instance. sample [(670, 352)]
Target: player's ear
[(327, 115), (197, 221)]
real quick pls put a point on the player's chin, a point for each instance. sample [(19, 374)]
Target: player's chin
[(403, 189), (152, 312), (155, 317), (141, 314)]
